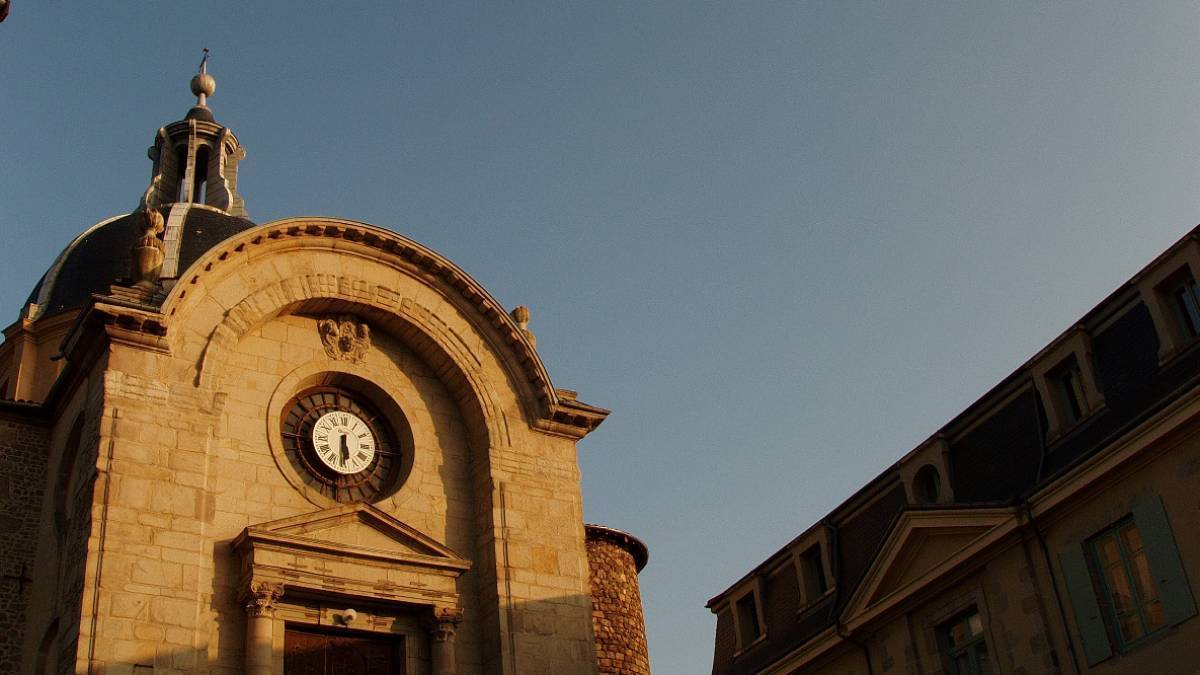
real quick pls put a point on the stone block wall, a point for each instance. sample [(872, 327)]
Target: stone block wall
[(614, 559), (23, 451)]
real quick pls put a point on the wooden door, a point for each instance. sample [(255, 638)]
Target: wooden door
[(308, 651)]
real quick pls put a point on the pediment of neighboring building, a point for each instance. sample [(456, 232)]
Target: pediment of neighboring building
[(355, 531), (922, 546)]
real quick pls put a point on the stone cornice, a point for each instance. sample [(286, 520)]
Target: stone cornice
[(561, 414), (635, 546)]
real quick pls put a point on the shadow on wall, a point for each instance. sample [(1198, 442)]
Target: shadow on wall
[(547, 637)]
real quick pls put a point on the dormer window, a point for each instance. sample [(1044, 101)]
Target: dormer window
[(749, 628), (812, 572), (748, 625), (810, 555), (925, 473), (1066, 382), (1185, 301), (1170, 292)]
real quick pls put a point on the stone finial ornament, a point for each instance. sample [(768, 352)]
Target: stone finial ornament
[(148, 251), (520, 314), (344, 339), (203, 84)]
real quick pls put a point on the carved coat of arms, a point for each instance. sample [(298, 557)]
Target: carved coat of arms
[(345, 339)]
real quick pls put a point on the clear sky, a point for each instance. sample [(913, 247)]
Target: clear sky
[(783, 242)]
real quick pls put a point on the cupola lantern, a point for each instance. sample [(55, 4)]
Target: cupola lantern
[(196, 159)]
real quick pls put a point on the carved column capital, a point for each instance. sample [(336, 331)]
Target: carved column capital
[(260, 601), (444, 623)]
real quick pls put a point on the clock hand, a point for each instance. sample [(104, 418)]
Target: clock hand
[(345, 449)]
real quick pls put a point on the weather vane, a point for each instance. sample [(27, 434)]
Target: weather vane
[(203, 84)]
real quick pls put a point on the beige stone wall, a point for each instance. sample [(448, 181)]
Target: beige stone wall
[(64, 518), (29, 358), (249, 485), (1172, 471), (191, 463), (1015, 594), (1007, 598)]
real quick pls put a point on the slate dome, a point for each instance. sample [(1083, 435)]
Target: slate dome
[(101, 256), (193, 185)]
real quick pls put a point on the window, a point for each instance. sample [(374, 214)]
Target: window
[(810, 560), (1184, 298), (1126, 582), (1169, 290), (1065, 378), (812, 574), (1066, 383), (749, 629), (964, 646), (927, 485)]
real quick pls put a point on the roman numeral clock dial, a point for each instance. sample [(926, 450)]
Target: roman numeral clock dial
[(343, 442), (341, 445)]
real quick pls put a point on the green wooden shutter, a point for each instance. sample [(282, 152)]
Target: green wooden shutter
[(1173, 588), (1088, 619)]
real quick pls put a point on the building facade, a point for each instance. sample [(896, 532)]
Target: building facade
[(1048, 528), (305, 446)]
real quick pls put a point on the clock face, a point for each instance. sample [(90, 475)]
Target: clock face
[(341, 445), (343, 441)]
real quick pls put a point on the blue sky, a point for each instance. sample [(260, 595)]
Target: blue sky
[(783, 242)]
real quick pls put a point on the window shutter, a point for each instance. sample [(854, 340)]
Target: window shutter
[(1173, 589), (1088, 619)]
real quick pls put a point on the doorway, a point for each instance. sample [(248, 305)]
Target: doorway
[(314, 651)]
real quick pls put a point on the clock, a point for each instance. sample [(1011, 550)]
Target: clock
[(340, 444), (343, 442)]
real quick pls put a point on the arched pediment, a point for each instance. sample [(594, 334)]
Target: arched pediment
[(261, 272)]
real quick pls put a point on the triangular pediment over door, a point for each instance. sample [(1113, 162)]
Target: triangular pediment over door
[(922, 546), (355, 550)]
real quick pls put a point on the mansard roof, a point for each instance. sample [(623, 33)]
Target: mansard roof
[(1000, 451)]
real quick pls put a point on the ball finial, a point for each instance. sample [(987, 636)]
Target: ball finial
[(203, 84)]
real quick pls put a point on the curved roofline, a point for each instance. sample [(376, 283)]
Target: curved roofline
[(563, 414), (636, 547), (48, 280)]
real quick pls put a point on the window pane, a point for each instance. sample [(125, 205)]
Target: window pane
[(1147, 591), (1118, 584), (1131, 628), (1071, 394), (1189, 312), (1107, 548), (958, 635), (1131, 538), (748, 620), (1155, 616), (982, 659), (975, 624)]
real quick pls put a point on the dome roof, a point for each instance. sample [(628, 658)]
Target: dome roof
[(101, 255)]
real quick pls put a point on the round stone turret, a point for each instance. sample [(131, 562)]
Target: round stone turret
[(614, 560)]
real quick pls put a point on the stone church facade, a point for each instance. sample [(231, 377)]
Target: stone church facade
[(292, 447)]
